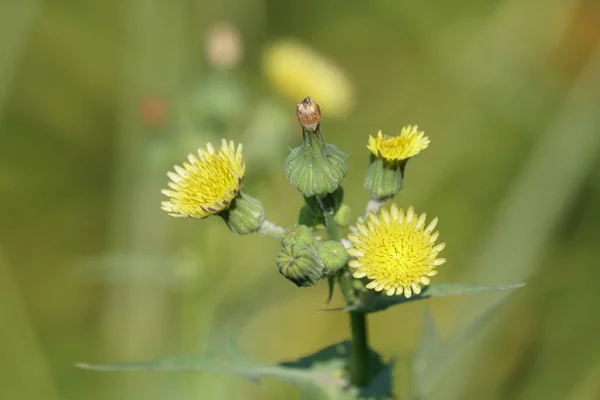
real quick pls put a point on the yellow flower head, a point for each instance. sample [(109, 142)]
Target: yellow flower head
[(395, 251), (207, 184), (297, 71), (409, 143)]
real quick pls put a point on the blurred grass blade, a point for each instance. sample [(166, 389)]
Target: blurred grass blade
[(538, 198), (17, 19), (372, 302), (434, 356), (21, 347)]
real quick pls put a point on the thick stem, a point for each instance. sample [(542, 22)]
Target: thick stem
[(358, 322), (360, 350)]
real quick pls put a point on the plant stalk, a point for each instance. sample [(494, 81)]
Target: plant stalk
[(359, 368), (360, 350)]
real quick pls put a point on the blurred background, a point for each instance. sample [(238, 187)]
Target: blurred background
[(98, 99)]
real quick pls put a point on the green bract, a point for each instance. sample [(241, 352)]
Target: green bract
[(245, 215), (384, 178)]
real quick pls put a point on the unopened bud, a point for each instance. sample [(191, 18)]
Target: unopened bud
[(298, 234), (299, 264), (333, 255)]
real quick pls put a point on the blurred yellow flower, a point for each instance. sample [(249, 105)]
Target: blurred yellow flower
[(297, 71), (395, 251), (207, 184), (409, 143)]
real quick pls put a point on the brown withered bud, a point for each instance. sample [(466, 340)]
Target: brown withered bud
[(309, 114)]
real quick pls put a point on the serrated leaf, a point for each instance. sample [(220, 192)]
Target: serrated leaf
[(371, 302)]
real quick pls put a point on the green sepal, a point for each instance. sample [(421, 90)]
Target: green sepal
[(384, 179), (315, 168), (245, 215), (370, 301)]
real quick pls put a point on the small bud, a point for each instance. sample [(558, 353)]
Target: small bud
[(245, 215), (343, 215), (299, 264), (298, 234), (328, 204), (333, 255), (384, 179), (309, 114), (315, 168)]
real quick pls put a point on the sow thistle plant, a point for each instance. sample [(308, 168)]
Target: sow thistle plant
[(389, 257)]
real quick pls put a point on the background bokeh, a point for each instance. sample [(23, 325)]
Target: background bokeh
[(98, 98)]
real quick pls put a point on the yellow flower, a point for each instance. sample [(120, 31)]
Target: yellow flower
[(207, 184), (297, 71), (409, 143), (395, 251)]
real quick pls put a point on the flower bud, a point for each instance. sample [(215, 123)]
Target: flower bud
[(389, 155), (298, 234), (315, 168), (333, 255), (245, 215), (343, 215), (299, 264)]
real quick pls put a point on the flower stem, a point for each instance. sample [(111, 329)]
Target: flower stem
[(270, 229), (360, 349), (359, 368), (373, 206)]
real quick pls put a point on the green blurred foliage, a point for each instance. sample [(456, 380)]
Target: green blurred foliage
[(99, 98)]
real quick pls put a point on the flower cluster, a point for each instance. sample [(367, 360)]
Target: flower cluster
[(393, 251)]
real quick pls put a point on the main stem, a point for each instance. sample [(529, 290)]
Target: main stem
[(358, 322)]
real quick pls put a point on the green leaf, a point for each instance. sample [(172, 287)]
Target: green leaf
[(318, 376), (371, 302)]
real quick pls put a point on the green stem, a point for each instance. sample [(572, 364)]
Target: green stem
[(359, 368), (360, 349), (270, 229)]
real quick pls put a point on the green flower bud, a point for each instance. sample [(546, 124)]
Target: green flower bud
[(343, 215), (333, 255), (384, 178), (245, 215), (298, 234), (315, 168), (299, 264), (328, 204)]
